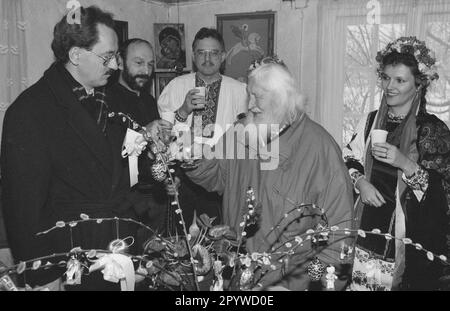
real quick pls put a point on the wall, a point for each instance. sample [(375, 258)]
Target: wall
[(295, 29), (295, 32), (42, 15)]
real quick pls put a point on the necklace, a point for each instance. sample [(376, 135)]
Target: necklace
[(394, 118)]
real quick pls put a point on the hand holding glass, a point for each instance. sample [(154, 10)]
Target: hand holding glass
[(378, 136)]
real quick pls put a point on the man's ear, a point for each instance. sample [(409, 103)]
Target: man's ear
[(223, 56), (120, 62), (74, 55)]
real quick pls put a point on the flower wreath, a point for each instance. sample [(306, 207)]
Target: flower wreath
[(411, 45), (266, 60)]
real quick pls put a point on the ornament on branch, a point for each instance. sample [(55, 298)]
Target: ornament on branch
[(315, 269)]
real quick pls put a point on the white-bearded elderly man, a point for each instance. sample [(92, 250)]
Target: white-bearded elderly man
[(299, 162)]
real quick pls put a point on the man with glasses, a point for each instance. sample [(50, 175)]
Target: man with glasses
[(224, 99), (60, 155)]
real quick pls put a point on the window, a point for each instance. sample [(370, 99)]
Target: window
[(361, 90), (437, 35), (354, 43)]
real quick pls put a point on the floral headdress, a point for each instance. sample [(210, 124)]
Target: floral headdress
[(266, 60), (411, 45)]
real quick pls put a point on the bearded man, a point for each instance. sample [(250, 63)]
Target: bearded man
[(131, 95), (303, 166)]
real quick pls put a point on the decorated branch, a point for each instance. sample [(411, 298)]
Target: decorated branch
[(216, 249), (161, 172)]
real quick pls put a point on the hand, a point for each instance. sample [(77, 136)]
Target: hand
[(172, 188), (369, 194), (158, 129), (247, 119), (192, 102), (389, 154)]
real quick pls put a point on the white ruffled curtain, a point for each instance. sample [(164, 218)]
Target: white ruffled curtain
[(351, 32), (13, 58), (13, 76)]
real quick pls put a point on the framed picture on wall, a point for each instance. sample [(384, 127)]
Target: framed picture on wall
[(162, 79), (121, 28), (248, 37), (170, 46)]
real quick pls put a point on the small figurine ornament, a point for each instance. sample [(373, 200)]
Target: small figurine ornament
[(218, 283), (246, 280), (74, 271), (346, 251), (330, 277)]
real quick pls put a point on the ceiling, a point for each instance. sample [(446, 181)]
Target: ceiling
[(173, 1)]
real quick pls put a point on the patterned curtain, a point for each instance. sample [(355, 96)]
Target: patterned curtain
[(13, 76), (13, 58)]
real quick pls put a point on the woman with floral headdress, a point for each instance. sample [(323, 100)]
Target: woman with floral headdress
[(403, 184)]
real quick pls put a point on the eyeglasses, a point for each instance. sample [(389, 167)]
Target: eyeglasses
[(211, 53), (106, 59)]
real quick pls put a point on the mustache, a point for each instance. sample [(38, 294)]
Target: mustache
[(147, 77)]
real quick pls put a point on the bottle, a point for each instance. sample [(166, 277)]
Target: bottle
[(6, 282)]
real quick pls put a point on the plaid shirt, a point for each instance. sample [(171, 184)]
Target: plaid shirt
[(94, 103)]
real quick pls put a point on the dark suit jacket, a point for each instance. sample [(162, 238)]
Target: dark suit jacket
[(142, 109), (57, 164)]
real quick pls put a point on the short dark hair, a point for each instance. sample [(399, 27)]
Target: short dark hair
[(123, 50), (208, 33), (83, 35)]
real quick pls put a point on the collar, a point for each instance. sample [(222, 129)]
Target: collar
[(128, 90), (288, 139), (79, 90), (200, 82), (90, 92)]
